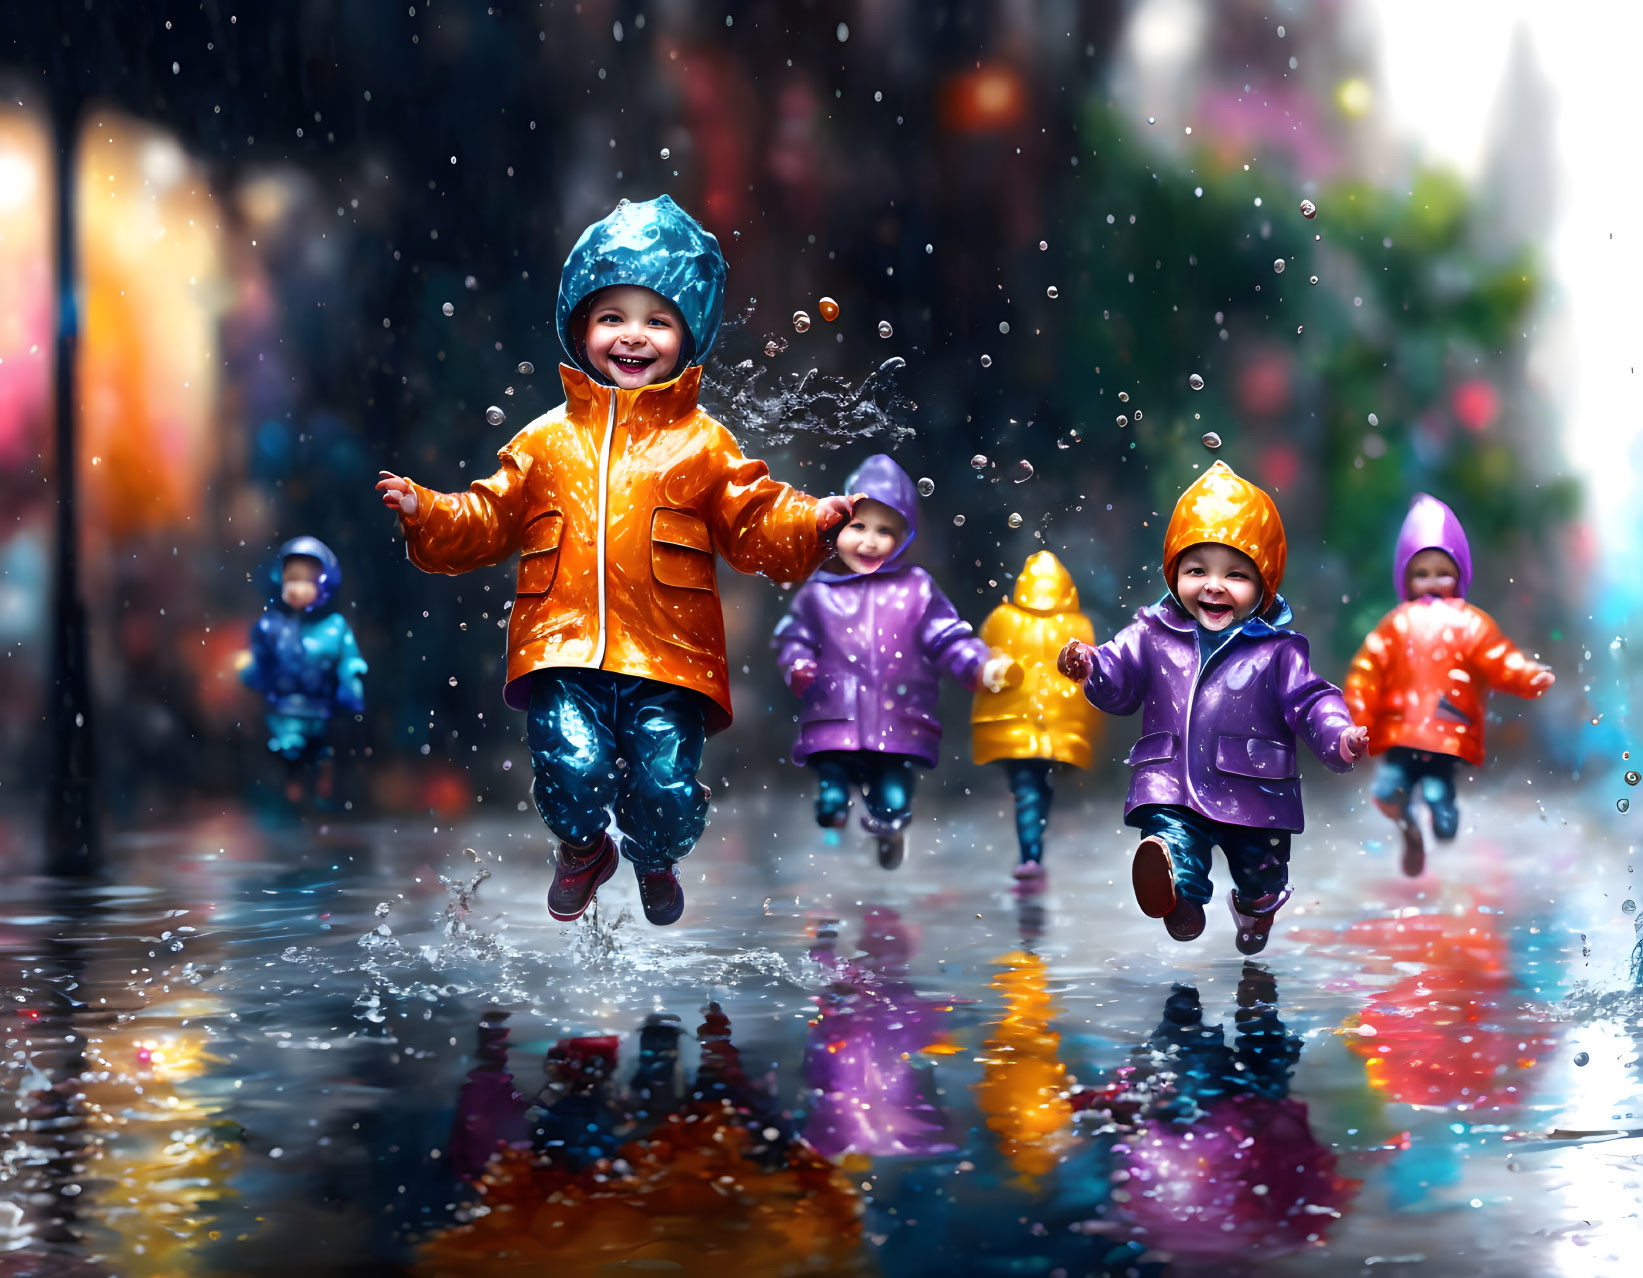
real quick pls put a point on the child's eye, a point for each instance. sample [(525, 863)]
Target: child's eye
[(661, 321)]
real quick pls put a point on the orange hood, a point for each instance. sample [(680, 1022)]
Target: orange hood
[(1220, 506)]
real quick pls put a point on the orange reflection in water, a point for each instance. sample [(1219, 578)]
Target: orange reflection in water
[(1023, 1085)]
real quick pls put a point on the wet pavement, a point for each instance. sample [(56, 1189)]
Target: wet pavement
[(349, 1048)]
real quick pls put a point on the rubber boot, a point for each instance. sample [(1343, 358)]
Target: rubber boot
[(577, 875), (1153, 877), (1254, 918)]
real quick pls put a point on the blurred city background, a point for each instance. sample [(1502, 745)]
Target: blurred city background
[(316, 239)]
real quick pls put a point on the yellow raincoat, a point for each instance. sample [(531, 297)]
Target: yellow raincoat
[(1046, 716)]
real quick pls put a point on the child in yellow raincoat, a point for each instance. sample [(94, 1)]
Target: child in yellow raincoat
[(1042, 723)]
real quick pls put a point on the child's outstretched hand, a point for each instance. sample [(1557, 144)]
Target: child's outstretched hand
[(1077, 661), (801, 675), (1000, 672), (397, 493), (834, 510), (1541, 680), (1354, 742)]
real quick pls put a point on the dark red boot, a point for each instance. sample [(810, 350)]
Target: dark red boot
[(660, 893), (1153, 877), (577, 875), (1254, 918)]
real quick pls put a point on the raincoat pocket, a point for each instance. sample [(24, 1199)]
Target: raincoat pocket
[(681, 552), (1254, 757), (1155, 747), (831, 696), (539, 553)]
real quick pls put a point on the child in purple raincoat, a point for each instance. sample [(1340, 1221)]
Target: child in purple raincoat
[(1224, 688), (864, 646)]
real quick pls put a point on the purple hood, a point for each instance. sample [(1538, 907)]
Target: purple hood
[(1431, 525), (881, 479)]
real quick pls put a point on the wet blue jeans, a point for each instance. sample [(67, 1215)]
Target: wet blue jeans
[(886, 781), (1402, 769), (1258, 859), (603, 742), (1031, 781)]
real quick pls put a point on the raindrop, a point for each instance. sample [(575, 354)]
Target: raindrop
[(1023, 471), (1628, 906), (1137, 414), (1624, 805), (526, 368), (1072, 436), (1004, 326), (829, 309), (1211, 439), (1014, 520), (1582, 1058), (986, 361), (1123, 421), (926, 487), (1597, 720), (885, 330), (495, 416), (771, 349), (1196, 382), (452, 681), (1123, 397), (801, 321), (1052, 292), (448, 308), (507, 765), (1152, 119), (1278, 265), (958, 521), (1308, 209), (1374, 420), (978, 462), (1633, 778), (1043, 245), (1313, 280), (1300, 328), (470, 282), (666, 154), (383, 909)]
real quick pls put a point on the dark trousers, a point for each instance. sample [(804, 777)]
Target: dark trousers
[(885, 781), (1403, 769), (603, 742), (1032, 783), (1257, 858)]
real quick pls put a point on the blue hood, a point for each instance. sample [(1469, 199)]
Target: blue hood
[(330, 571), (881, 479), (656, 245)]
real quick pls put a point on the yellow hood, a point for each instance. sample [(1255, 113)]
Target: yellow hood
[(1045, 586)]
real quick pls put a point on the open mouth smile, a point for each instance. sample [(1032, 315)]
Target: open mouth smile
[(633, 363), (1215, 611)]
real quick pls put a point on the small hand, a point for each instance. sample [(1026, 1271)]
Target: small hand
[(834, 510), (1542, 680), (1077, 661), (801, 675), (397, 493), (1354, 742), (995, 675)]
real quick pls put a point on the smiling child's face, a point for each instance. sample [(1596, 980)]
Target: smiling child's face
[(634, 336), (1431, 572), (1218, 585), (870, 537)]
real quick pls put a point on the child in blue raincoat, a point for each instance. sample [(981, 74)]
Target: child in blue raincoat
[(303, 658)]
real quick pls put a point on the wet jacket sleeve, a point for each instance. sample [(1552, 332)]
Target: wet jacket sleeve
[(795, 639), (1363, 678), (351, 670), (949, 642), (458, 532), (758, 523), (1313, 707), (1501, 662), (259, 674), (1118, 684)]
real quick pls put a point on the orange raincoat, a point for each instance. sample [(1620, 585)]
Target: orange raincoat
[(1045, 716), (617, 502), (1422, 677)]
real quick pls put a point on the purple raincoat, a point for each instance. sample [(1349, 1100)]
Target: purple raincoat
[(1221, 740), (880, 643)]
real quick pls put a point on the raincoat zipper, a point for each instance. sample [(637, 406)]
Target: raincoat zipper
[(598, 659)]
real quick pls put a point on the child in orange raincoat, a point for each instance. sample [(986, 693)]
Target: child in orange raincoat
[(1042, 723), (617, 503), (1421, 679)]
